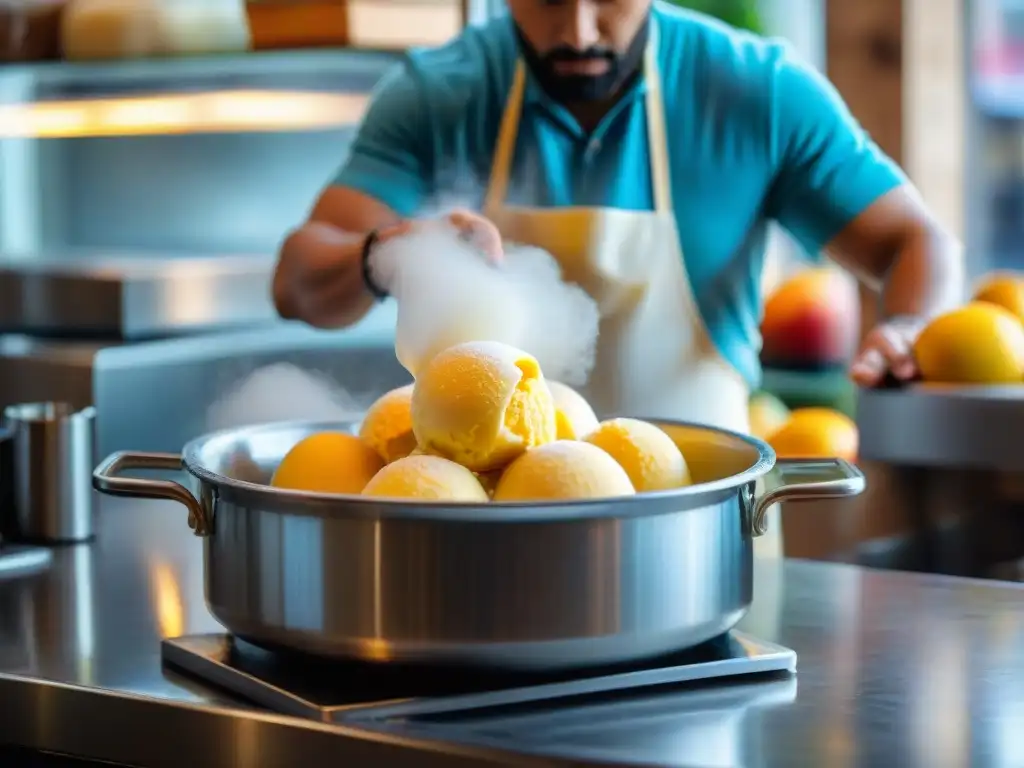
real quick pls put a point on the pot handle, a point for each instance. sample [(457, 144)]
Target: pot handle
[(805, 480), (106, 478)]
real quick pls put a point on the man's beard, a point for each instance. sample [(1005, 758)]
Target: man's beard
[(582, 88)]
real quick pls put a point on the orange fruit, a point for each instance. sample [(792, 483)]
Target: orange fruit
[(1004, 290), (978, 343), (816, 433)]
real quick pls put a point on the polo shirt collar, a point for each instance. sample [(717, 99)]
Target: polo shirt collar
[(535, 99)]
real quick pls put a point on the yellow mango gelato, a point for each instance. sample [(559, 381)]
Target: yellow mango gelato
[(426, 478), (482, 404), (650, 458), (387, 426), (328, 462), (574, 417), (563, 470)]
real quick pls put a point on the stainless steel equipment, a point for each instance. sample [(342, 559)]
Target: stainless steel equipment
[(943, 426), (352, 693), (53, 460), (146, 392), (145, 339), (132, 296), (946, 469), (553, 585), (59, 314), (19, 560), (15, 559)]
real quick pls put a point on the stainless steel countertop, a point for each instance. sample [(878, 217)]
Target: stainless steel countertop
[(894, 669)]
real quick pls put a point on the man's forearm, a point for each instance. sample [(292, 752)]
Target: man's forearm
[(926, 277), (319, 278)]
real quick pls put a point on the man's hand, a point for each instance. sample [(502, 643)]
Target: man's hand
[(319, 277), (474, 228), (889, 348)]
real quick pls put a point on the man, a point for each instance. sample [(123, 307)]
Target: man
[(647, 148)]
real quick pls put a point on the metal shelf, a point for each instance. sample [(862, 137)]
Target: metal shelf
[(313, 70)]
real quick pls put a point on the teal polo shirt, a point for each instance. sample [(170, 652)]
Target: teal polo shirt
[(754, 136)]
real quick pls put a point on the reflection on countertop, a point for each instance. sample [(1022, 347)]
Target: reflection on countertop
[(894, 669)]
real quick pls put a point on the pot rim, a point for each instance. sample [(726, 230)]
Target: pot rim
[(268, 498)]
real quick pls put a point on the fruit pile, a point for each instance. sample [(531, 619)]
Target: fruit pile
[(482, 423), (811, 322), (981, 342), (805, 433)]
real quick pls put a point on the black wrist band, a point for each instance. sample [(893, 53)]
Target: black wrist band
[(372, 287)]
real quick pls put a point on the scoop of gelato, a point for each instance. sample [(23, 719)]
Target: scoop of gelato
[(328, 462), (574, 417), (563, 470), (426, 478), (387, 426), (650, 458), (482, 404)]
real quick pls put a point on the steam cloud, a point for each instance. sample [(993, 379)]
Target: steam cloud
[(283, 392), (448, 293)]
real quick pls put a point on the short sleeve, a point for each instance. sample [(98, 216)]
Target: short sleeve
[(390, 159), (828, 170)]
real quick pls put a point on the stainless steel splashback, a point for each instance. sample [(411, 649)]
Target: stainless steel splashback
[(157, 396)]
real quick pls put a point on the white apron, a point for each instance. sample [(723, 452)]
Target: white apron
[(654, 355)]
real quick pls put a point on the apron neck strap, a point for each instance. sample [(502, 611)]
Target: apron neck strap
[(657, 136), (657, 133), (505, 147)]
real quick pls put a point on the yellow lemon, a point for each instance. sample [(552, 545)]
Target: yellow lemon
[(816, 433), (1006, 291), (978, 343), (428, 478), (328, 462), (563, 470), (482, 404), (387, 426), (651, 460), (573, 414)]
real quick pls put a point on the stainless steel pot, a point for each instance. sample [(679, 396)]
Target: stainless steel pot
[(526, 586)]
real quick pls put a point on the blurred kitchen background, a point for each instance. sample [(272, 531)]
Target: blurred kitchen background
[(153, 153)]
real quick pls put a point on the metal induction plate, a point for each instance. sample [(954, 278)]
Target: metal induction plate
[(132, 296), (340, 693), (931, 425)]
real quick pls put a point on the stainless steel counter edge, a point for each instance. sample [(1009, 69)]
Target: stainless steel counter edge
[(98, 724)]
